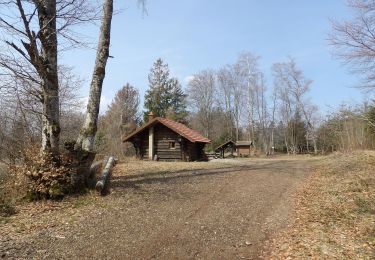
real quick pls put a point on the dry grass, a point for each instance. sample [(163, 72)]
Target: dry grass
[(3, 171), (138, 167), (13, 189), (335, 213)]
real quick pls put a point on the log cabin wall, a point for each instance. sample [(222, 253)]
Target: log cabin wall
[(167, 144), (201, 155), (191, 151), (195, 151), (143, 149)]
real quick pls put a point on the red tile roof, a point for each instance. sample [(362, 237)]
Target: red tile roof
[(181, 129)]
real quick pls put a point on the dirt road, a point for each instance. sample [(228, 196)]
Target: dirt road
[(205, 214)]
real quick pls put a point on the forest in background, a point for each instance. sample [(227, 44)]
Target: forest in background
[(232, 103)]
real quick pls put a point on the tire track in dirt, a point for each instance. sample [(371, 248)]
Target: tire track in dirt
[(159, 246)]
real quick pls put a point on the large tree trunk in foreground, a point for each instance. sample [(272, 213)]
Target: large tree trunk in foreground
[(86, 137), (45, 63), (51, 117)]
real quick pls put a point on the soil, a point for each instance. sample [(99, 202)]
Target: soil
[(225, 213)]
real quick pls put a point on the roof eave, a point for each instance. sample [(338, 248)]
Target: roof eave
[(156, 120), (139, 130)]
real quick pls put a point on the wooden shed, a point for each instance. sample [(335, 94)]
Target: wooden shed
[(166, 140), (225, 146), (243, 148)]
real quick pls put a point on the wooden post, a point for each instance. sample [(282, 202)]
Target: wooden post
[(151, 143)]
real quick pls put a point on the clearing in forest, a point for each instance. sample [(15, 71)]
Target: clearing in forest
[(164, 210)]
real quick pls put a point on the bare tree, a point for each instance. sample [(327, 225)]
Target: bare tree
[(20, 103), (225, 97), (292, 87), (232, 86), (85, 140), (354, 41), (345, 129), (201, 91), (261, 109), (120, 119), (30, 37), (30, 32), (248, 63), (273, 124)]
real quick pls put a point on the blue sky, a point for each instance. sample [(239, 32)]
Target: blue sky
[(192, 35)]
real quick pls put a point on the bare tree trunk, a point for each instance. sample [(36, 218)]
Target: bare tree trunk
[(86, 137), (44, 59), (315, 146), (49, 76), (286, 144), (307, 145), (51, 120), (273, 123)]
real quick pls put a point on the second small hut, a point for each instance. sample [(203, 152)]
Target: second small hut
[(242, 148), (229, 145)]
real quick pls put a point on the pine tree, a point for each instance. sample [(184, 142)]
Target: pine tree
[(165, 97), (177, 108)]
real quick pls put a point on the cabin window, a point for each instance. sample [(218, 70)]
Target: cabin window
[(172, 145)]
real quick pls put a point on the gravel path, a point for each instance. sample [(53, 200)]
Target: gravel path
[(204, 214)]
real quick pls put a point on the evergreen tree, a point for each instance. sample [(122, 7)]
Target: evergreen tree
[(157, 94), (177, 107), (165, 97)]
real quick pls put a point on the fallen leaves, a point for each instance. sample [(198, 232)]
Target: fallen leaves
[(334, 213)]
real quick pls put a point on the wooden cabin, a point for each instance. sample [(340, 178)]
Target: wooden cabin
[(243, 148), (166, 140)]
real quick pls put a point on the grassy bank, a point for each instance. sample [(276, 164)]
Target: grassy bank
[(335, 212)]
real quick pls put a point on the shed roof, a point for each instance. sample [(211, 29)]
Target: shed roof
[(181, 129), (224, 145), (244, 143)]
